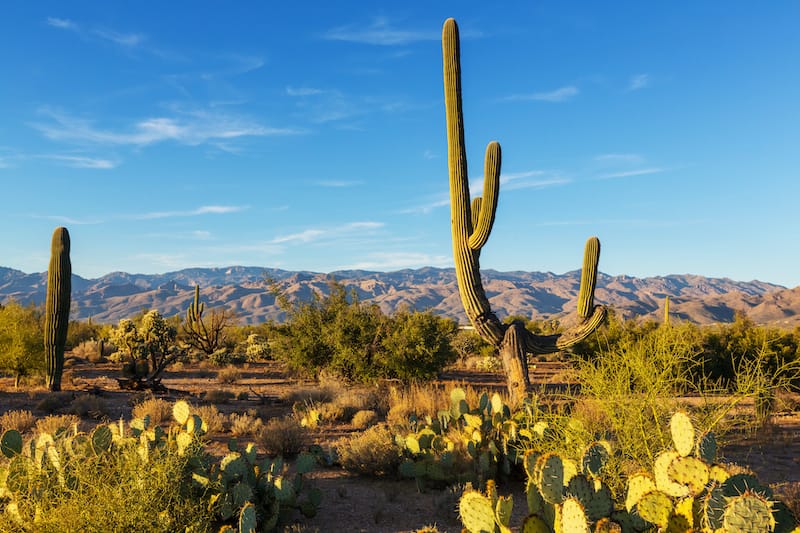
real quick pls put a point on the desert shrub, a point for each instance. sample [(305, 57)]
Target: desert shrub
[(52, 424), (257, 348), (321, 394), (88, 405), (373, 452), (283, 436), (54, 401), (356, 340), (80, 332), (225, 356), (727, 348), (469, 343), (417, 401), (215, 421), (418, 346), (107, 493), (218, 396), (157, 409), (89, 350), (364, 419), (229, 375), (148, 348), (245, 424), (21, 340), (22, 421)]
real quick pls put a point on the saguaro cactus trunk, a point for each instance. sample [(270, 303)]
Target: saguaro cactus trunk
[(56, 314), (471, 226)]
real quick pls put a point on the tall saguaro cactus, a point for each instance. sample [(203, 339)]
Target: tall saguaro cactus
[(471, 225), (56, 313)]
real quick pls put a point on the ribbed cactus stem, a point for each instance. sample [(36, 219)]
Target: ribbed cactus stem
[(467, 242), (471, 226), (591, 257), (56, 317)]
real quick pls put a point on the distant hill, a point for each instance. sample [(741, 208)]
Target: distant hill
[(538, 295)]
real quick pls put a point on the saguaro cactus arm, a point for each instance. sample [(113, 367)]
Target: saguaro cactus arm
[(56, 314), (472, 224)]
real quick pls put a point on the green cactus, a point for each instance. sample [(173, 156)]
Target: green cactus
[(471, 226), (11, 443), (691, 472), (550, 469), (655, 507), (748, 513), (56, 317), (573, 516), (101, 439), (476, 512), (682, 430)]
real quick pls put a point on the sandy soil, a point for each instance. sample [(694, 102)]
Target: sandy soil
[(359, 504)]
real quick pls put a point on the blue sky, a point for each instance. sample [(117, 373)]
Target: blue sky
[(311, 136)]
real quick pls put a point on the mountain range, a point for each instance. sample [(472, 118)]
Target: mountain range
[(547, 296)]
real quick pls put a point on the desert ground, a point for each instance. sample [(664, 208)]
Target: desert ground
[(382, 505)]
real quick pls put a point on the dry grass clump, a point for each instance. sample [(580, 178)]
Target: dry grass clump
[(158, 410), (54, 401), (22, 421), (89, 350), (215, 421), (422, 400), (245, 424), (218, 396), (283, 436), (229, 375), (54, 423), (309, 395), (373, 452), (88, 405), (789, 493), (364, 419)]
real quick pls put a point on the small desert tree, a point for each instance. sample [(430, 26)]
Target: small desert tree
[(21, 345), (147, 350), (205, 334)]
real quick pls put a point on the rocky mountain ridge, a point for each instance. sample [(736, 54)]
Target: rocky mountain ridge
[(539, 295)]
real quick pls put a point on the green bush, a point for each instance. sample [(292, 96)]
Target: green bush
[(357, 341), (21, 340), (418, 346)]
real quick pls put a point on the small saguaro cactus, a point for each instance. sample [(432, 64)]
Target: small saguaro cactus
[(56, 314), (471, 226)]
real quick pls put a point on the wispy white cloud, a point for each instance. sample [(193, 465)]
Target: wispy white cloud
[(82, 162), (429, 154), (562, 94), (125, 40), (204, 210), (71, 221), (64, 24), (442, 201), (338, 183), (334, 232), (192, 127), (128, 40), (639, 81), (638, 222), (529, 179), (619, 158), (630, 173), (399, 260), (380, 32), (303, 91)]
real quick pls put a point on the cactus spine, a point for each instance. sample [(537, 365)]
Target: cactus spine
[(471, 226), (56, 318)]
